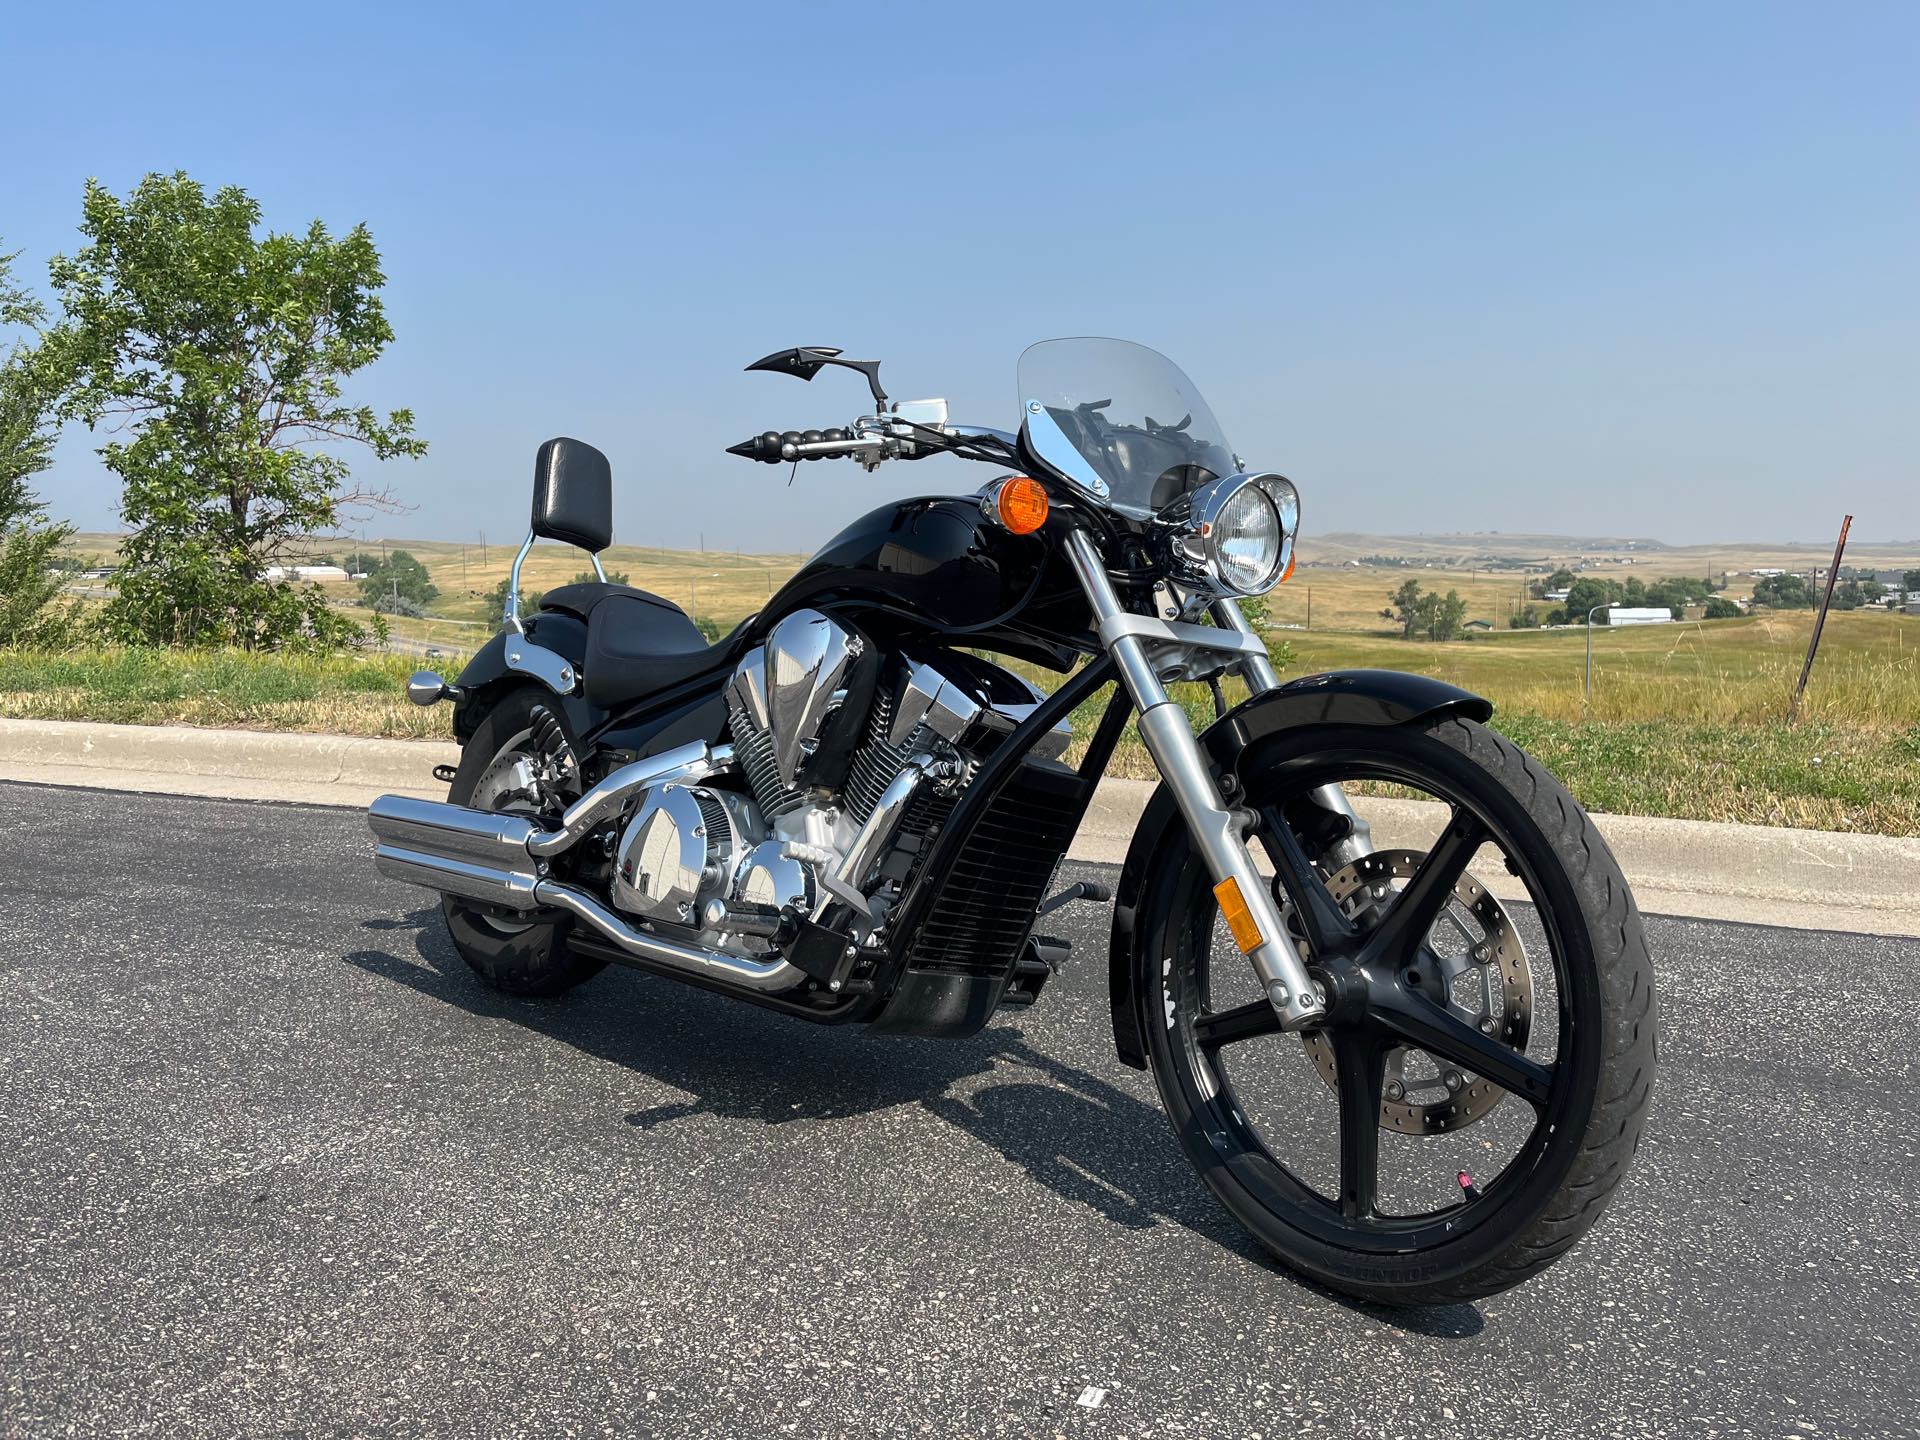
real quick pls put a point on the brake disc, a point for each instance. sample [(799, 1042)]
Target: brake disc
[(1488, 985)]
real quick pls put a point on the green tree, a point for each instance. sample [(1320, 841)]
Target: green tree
[(1527, 619), (1425, 614), (1783, 592), (1849, 595), (400, 575), (1910, 582), (1719, 609), (497, 599), (1404, 609), (1587, 593), (1441, 615), (587, 577), (1561, 579), (30, 576), (220, 352), (361, 562)]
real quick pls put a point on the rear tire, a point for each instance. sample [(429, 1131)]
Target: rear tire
[(529, 958)]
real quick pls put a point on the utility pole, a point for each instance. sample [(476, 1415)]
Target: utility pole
[(1309, 607), (1819, 623)]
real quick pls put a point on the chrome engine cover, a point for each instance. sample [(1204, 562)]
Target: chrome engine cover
[(807, 658), (681, 847), (770, 876)]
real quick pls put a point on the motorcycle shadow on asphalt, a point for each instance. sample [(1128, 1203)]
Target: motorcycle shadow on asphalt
[(1086, 1139)]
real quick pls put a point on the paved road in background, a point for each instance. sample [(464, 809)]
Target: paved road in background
[(272, 1163)]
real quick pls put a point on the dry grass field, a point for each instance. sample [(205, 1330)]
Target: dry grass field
[(1686, 719)]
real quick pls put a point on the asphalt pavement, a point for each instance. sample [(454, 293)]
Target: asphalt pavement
[(273, 1163)]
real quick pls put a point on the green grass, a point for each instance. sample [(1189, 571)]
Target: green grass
[(1726, 671), (336, 694)]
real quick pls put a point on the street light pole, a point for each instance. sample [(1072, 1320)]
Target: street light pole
[(693, 587), (1608, 605)]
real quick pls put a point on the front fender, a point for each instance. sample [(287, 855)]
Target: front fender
[(1340, 697)]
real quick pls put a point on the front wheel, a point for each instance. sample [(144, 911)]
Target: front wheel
[(1484, 1070)]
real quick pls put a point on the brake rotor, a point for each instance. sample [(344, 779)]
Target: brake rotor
[(1488, 984)]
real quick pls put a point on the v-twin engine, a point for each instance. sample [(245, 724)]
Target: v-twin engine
[(844, 758)]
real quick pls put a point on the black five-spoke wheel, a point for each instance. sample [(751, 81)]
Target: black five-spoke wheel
[(1572, 1091)]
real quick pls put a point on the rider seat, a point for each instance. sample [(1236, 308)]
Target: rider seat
[(639, 644)]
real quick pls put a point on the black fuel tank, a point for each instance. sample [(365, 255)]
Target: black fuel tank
[(937, 566)]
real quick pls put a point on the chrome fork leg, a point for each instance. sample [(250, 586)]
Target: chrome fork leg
[(1218, 832)]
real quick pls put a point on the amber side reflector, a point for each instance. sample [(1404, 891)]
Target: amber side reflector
[(1287, 574), (1022, 504), (1233, 905)]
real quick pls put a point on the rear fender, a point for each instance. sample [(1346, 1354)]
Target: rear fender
[(488, 674), (1341, 697)]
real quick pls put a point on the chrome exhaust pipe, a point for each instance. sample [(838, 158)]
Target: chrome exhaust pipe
[(499, 859), (774, 974), (474, 854), (428, 831), (693, 761)]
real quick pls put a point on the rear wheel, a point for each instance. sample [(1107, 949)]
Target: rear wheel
[(1484, 1071), (521, 759)]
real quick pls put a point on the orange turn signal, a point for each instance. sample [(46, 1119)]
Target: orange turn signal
[(1233, 905), (1287, 574), (1021, 504)]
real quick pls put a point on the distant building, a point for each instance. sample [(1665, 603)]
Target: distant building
[(1478, 625), (1629, 615), (1557, 594), (305, 572)]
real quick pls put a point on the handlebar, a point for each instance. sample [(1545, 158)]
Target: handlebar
[(773, 446), (874, 438)]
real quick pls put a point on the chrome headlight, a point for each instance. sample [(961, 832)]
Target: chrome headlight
[(1236, 535)]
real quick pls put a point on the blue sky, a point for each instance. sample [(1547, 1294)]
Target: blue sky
[(1643, 269)]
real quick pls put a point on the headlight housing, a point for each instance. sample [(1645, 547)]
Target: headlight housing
[(1234, 535)]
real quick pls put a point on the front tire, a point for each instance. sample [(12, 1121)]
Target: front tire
[(529, 958), (1579, 1088)]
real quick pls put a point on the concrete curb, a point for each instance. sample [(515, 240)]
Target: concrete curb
[(1808, 879)]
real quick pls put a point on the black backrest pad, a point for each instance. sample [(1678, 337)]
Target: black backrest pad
[(573, 494)]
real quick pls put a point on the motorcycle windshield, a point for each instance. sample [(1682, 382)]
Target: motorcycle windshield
[(1121, 421)]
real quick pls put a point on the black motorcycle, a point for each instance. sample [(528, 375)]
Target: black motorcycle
[(1414, 1073)]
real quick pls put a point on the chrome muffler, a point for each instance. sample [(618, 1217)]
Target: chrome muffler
[(495, 858), (474, 854), (500, 859)]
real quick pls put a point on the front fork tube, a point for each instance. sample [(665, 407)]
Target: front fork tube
[(1261, 677), (1218, 832)]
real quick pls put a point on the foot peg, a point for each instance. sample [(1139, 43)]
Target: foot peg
[(1080, 890), (1038, 963)]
